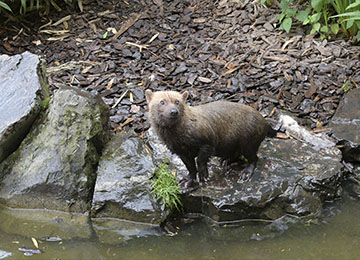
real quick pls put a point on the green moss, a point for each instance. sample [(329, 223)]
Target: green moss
[(165, 187), (45, 103)]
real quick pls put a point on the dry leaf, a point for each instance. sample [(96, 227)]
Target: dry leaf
[(80, 4), (58, 38), (8, 47), (287, 76), (57, 32), (228, 72), (318, 124), (272, 112), (35, 242), (154, 37), (86, 70), (110, 83), (37, 43)]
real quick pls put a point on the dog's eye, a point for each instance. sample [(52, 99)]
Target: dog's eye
[(162, 102), (177, 102)]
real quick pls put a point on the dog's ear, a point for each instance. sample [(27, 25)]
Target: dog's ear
[(148, 95)]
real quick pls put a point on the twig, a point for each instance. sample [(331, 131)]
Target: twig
[(132, 20), (321, 130), (138, 45), (120, 98), (353, 81)]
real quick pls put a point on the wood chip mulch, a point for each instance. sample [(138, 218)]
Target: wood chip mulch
[(215, 49)]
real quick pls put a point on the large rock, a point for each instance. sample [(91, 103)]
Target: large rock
[(292, 177), (122, 187), (346, 125), (23, 85), (55, 165)]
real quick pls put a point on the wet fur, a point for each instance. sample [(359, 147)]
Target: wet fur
[(225, 129)]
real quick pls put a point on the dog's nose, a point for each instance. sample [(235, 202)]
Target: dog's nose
[(174, 112)]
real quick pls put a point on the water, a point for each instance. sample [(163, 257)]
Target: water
[(333, 237)]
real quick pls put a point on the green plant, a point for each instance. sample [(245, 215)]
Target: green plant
[(266, 2), (320, 18), (349, 16), (45, 103), (345, 87), (318, 15), (165, 187), (30, 5), (5, 6), (287, 15)]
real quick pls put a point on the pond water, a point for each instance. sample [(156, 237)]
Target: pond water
[(335, 236)]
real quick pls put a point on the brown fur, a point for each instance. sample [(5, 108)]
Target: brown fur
[(225, 129)]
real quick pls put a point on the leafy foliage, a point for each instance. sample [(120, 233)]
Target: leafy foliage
[(5, 6), (165, 187), (325, 16), (349, 17), (30, 5)]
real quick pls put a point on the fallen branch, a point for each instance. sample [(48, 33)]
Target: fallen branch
[(145, 46), (130, 22)]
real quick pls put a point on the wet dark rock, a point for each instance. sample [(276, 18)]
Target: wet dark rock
[(352, 184), (122, 187), (345, 125), (291, 177), (23, 86), (55, 165)]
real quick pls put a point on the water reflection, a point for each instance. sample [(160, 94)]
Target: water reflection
[(332, 237)]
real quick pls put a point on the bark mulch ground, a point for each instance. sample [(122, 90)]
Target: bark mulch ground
[(215, 49)]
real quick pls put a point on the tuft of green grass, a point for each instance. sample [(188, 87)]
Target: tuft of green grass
[(5, 6), (165, 187), (31, 5)]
